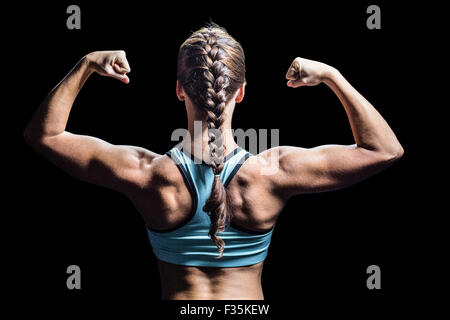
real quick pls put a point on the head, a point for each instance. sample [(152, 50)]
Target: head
[(211, 74)]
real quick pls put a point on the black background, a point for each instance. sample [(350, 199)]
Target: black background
[(322, 243)]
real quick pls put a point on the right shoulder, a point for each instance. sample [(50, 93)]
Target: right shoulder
[(263, 168), (287, 169)]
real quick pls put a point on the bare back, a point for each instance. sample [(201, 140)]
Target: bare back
[(166, 203)]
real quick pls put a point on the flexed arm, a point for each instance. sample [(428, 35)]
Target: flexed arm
[(331, 167), (121, 168)]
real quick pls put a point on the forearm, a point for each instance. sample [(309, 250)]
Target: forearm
[(52, 115), (369, 129)]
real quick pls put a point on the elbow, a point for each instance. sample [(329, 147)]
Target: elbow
[(400, 152), (28, 137), (32, 139), (394, 154)]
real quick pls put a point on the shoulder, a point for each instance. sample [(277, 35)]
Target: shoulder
[(288, 159), (284, 166), (163, 171), (159, 174), (260, 167)]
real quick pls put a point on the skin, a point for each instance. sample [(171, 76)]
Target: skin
[(156, 188)]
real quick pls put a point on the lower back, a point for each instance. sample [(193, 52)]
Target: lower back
[(209, 283)]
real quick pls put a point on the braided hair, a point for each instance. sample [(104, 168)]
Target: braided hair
[(211, 68)]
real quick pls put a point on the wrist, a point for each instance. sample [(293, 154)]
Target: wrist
[(88, 61), (330, 75)]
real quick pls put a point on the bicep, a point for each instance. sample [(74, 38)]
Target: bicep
[(93, 160), (325, 168)]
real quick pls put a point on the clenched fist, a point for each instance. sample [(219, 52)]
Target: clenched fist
[(304, 72), (110, 63)]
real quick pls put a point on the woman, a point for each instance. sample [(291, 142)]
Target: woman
[(210, 206)]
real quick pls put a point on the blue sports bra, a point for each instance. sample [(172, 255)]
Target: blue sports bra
[(189, 244)]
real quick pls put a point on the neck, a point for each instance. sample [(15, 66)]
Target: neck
[(198, 134)]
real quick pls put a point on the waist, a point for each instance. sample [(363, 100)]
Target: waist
[(210, 283)]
